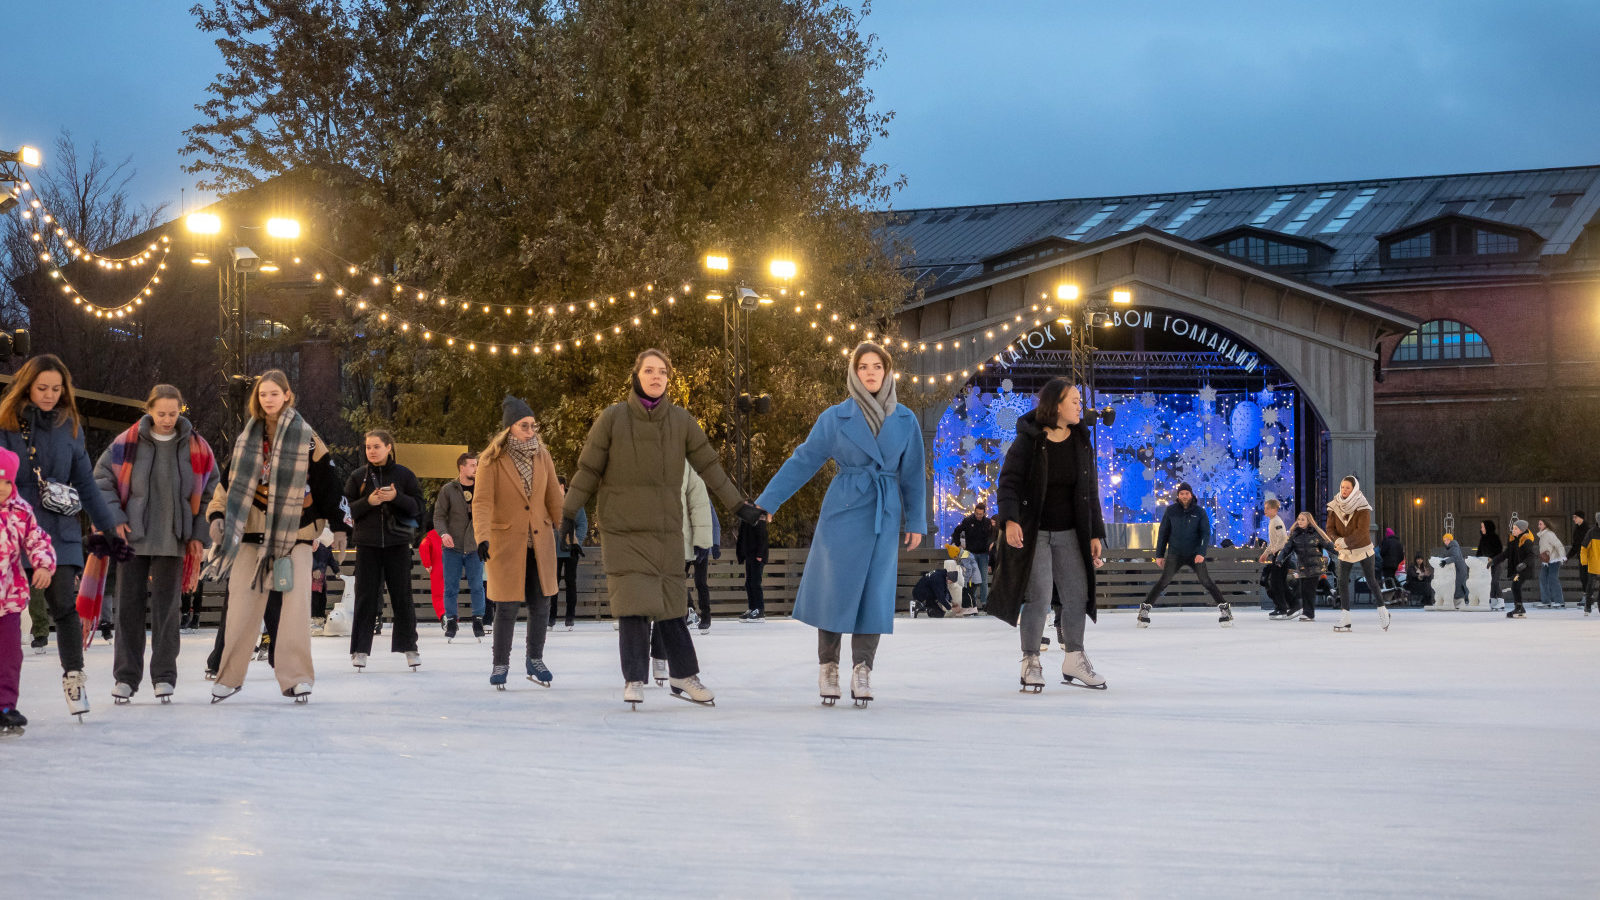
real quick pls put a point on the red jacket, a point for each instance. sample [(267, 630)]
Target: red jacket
[(432, 553)]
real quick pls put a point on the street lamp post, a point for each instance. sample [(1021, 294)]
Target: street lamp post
[(1092, 311), (737, 303), (233, 328)]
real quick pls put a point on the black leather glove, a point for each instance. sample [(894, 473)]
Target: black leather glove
[(701, 554), (483, 551), (569, 529), (750, 513)]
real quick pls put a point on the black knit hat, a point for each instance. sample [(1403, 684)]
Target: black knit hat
[(1183, 486), (514, 409)]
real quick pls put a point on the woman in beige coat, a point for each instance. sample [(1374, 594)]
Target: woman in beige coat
[(515, 508), (634, 459)]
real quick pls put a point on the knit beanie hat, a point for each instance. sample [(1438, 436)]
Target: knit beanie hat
[(1183, 486), (1520, 524), (513, 410)]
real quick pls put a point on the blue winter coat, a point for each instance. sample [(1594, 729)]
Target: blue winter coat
[(63, 458), (852, 571)]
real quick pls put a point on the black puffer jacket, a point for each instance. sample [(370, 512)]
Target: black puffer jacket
[(389, 524), (1306, 546), (1185, 531)]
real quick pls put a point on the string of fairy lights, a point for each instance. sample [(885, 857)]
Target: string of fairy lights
[(833, 330), (46, 226)]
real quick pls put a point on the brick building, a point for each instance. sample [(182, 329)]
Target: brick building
[(1498, 382)]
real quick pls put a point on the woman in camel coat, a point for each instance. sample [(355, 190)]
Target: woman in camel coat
[(515, 510)]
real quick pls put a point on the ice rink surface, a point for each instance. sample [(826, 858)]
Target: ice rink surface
[(1457, 755)]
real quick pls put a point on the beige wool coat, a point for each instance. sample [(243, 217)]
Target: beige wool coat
[(633, 460), (507, 519)]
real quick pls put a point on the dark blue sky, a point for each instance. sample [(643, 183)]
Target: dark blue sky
[(1015, 100)]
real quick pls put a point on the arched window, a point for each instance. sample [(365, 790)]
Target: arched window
[(1441, 340)]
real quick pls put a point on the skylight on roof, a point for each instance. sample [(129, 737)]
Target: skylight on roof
[(1304, 215), (1142, 216), (1273, 208), (1182, 218), (1360, 200), (1090, 223)]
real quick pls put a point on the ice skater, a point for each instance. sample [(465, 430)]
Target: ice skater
[(458, 546), (1458, 562), (281, 482), (1520, 556), (156, 478), (1183, 540), (40, 423), (1350, 524), (1053, 534), (1276, 574), (385, 503), (23, 544), (1307, 545), (850, 577), (634, 459), (517, 506)]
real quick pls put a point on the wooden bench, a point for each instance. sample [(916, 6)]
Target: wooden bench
[(1122, 582)]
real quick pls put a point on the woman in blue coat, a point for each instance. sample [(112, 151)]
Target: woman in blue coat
[(39, 422), (852, 571)]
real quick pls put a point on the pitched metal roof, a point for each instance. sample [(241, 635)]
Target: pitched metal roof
[(947, 245)]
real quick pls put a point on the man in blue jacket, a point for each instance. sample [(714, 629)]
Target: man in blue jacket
[(1183, 540)]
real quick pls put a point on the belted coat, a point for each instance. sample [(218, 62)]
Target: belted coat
[(880, 492)]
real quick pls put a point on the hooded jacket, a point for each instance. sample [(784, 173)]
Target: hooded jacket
[(1489, 545)]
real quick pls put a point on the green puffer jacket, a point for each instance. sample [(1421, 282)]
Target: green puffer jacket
[(633, 460)]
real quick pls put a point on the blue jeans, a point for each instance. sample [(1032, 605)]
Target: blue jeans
[(1550, 584), (454, 562), (982, 559)]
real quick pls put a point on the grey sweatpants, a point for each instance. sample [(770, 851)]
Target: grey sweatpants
[(1345, 586), (162, 576), (1058, 564), (863, 647)]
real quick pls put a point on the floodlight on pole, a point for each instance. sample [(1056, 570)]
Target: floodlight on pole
[(1068, 292), (203, 223), (30, 156), (1122, 295), (716, 263), (782, 268), (283, 229)]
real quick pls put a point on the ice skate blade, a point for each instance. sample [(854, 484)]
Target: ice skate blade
[(416, 667), (80, 716), (499, 687), (1342, 629), (684, 696), (829, 701), (303, 699), (861, 702), (543, 684), (1031, 689), (1069, 680), (1227, 624), (122, 701), (660, 682), (633, 705), (11, 732), (211, 676), (1144, 624)]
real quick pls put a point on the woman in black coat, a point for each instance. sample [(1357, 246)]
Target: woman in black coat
[(385, 500), (1052, 532)]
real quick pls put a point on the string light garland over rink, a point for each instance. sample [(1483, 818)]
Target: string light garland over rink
[(1172, 783), (46, 227), (831, 329)]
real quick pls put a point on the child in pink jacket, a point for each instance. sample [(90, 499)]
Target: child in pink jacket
[(21, 541)]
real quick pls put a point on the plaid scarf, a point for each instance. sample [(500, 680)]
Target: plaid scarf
[(522, 453), (201, 463), (284, 473)]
